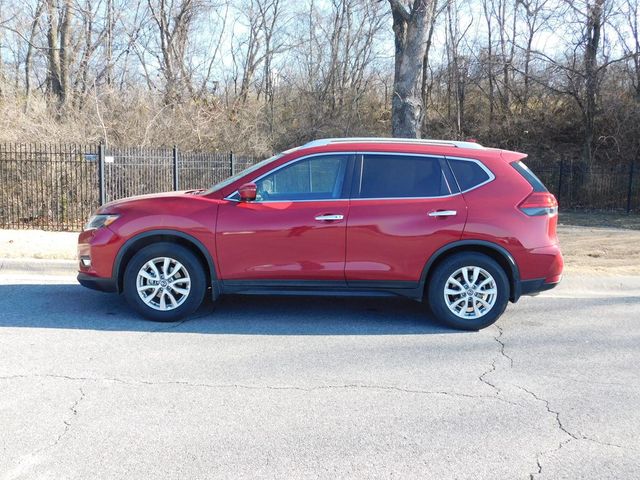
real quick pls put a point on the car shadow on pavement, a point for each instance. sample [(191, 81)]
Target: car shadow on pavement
[(67, 306)]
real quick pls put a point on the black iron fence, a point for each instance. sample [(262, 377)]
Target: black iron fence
[(56, 187), (598, 187)]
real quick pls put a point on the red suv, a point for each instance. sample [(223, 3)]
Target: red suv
[(464, 227)]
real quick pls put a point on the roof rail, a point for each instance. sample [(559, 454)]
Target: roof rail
[(419, 141)]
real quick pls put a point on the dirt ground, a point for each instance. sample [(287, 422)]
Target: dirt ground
[(602, 250), (602, 243)]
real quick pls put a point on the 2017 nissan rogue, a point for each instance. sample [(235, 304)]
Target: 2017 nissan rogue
[(463, 227)]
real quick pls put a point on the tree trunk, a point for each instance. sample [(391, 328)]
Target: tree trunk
[(594, 30), (65, 51), (2, 79), (27, 60), (109, 43), (411, 29), (426, 90), (53, 57), (489, 63)]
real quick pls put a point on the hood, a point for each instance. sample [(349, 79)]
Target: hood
[(115, 205)]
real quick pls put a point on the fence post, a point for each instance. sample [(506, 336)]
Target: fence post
[(176, 180), (101, 192), (231, 163), (629, 190), (560, 177)]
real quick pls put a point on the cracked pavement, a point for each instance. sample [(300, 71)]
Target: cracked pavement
[(258, 387)]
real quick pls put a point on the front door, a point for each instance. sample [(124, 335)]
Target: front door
[(294, 230), (403, 209)]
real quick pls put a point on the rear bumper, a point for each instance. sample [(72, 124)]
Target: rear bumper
[(540, 270), (537, 285), (97, 283)]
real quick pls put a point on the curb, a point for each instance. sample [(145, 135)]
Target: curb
[(35, 266)]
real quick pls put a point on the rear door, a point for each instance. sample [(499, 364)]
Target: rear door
[(404, 207)]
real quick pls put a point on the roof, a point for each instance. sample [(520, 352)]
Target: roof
[(404, 141)]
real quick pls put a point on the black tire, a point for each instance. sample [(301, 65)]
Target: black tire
[(437, 284), (193, 267)]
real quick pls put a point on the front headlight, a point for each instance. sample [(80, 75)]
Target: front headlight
[(99, 221)]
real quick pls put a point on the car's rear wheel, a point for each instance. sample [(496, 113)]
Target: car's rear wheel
[(164, 282), (468, 291)]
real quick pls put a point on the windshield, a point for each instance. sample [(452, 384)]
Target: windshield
[(244, 172)]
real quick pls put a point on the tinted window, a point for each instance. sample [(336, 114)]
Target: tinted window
[(468, 174), (315, 178), (531, 177), (392, 176)]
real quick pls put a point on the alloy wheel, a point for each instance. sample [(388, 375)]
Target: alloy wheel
[(163, 283), (470, 292)]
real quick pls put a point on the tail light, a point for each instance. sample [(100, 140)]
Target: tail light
[(539, 203)]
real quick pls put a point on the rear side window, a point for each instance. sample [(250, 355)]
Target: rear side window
[(535, 182), (468, 174), (401, 176)]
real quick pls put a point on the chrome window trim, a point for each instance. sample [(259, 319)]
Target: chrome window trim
[(295, 160), (491, 178)]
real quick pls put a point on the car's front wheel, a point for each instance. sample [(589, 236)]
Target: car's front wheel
[(468, 291), (164, 282)]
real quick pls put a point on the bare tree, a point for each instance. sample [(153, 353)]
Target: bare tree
[(173, 21), (411, 25), (630, 39), (425, 68), (252, 47), (30, 48), (594, 19), (58, 45), (535, 17), (458, 64)]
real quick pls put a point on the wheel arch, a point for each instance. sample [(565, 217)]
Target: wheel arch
[(134, 244), (492, 250)]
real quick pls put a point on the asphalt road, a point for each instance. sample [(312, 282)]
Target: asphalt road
[(258, 387)]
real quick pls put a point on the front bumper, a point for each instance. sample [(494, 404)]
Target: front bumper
[(97, 250), (97, 283)]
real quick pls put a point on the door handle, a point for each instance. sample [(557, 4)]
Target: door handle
[(329, 217), (443, 213)]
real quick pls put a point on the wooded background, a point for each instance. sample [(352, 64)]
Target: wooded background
[(557, 79)]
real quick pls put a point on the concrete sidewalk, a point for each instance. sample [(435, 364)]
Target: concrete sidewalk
[(38, 244), (36, 266)]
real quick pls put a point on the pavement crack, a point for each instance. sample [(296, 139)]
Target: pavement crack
[(498, 339), (571, 435), (561, 427), (492, 368), (68, 422), (391, 388), (33, 458), (555, 413), (489, 371)]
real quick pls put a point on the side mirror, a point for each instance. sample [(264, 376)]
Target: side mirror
[(248, 192)]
